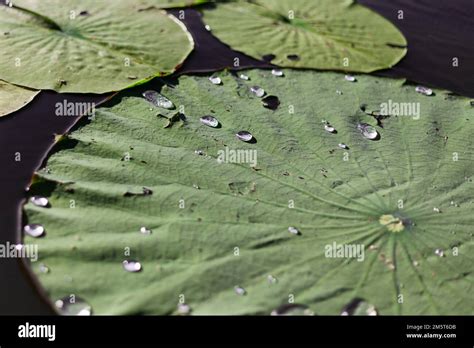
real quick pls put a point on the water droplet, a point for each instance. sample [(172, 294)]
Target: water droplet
[(390, 265), (147, 191), (144, 192), (258, 91), (359, 306), (424, 90), (271, 279), (268, 57), (215, 80), (184, 309), (158, 100), (293, 230), (244, 77), (292, 309), (368, 131), (293, 57), (278, 73), (244, 136), (329, 128), (146, 231), (39, 201), (132, 266), (271, 102), (240, 290), (343, 146), (73, 306), (350, 78), (439, 252), (34, 230), (43, 268), (209, 121)]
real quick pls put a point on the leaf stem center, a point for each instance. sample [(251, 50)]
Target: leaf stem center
[(393, 223)]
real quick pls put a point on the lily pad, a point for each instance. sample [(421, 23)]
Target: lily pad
[(13, 98), (236, 227), (88, 46), (324, 34)]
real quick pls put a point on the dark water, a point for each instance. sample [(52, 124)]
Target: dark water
[(437, 31), (30, 133)]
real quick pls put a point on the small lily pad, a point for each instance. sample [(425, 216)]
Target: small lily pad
[(323, 34), (13, 98), (88, 46)]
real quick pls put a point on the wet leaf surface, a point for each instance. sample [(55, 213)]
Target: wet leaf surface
[(202, 208)]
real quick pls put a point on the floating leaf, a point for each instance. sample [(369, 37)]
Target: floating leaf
[(13, 98), (87, 46), (323, 34), (283, 205)]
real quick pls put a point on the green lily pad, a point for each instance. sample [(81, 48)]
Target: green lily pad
[(13, 98), (381, 226), (325, 34), (88, 46)]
